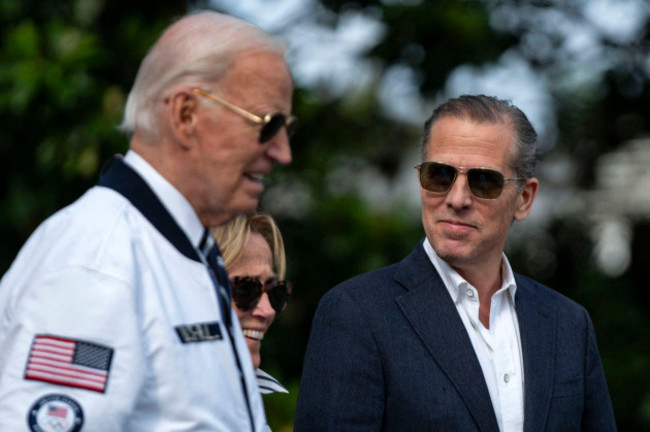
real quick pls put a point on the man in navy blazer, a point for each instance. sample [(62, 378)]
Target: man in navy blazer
[(450, 338)]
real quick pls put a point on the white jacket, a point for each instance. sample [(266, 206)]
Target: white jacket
[(98, 287)]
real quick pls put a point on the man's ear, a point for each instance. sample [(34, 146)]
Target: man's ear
[(525, 198), (183, 107)]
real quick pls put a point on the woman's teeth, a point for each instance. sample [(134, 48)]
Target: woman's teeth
[(254, 334)]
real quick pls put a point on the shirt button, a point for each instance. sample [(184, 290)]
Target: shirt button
[(506, 378), (470, 293)]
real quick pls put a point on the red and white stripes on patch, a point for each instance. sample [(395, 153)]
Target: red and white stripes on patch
[(69, 362)]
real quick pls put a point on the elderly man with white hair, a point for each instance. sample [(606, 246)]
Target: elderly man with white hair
[(115, 315)]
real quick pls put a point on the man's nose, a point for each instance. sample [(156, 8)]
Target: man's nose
[(459, 196), (280, 148)]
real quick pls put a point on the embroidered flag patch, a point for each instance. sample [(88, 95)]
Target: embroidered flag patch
[(69, 362)]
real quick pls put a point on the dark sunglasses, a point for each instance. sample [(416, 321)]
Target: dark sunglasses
[(247, 291), (484, 183), (271, 123)]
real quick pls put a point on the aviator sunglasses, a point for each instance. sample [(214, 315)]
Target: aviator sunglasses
[(484, 183), (271, 123), (247, 291)]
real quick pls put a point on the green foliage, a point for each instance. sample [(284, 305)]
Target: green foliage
[(67, 66), (280, 407), (432, 37), (65, 70)]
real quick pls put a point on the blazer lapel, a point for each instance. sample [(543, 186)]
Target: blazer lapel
[(537, 331), (433, 315)]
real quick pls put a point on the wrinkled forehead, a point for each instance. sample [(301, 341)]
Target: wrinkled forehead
[(464, 143), (458, 130)]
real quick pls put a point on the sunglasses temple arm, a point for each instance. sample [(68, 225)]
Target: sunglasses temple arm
[(250, 116)]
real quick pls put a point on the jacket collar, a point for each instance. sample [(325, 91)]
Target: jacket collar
[(538, 334), (429, 308), (432, 314)]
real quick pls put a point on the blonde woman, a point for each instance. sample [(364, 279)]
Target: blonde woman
[(253, 251)]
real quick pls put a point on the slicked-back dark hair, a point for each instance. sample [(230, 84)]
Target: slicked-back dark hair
[(489, 109)]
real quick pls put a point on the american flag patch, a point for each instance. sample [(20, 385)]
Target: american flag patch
[(69, 362), (56, 411)]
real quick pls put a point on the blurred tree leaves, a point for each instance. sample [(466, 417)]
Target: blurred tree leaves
[(339, 235), (67, 66)]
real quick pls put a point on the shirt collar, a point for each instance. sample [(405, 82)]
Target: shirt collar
[(175, 203), (268, 384), (454, 281)]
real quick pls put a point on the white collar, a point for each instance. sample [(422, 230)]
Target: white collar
[(175, 203), (268, 384), (454, 281)]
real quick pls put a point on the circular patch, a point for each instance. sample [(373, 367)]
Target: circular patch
[(55, 413)]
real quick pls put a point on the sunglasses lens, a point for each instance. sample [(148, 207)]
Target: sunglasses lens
[(292, 125), (246, 292), (485, 183), (437, 177), (279, 295), (273, 123)]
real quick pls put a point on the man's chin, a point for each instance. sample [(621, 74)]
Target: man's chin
[(248, 204), (221, 219), (227, 215)]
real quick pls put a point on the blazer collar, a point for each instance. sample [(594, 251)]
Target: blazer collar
[(537, 331), (433, 315)]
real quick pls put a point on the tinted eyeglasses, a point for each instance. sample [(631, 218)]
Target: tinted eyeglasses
[(484, 183), (247, 291), (271, 123)]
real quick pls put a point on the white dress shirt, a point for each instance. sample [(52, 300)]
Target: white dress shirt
[(498, 348)]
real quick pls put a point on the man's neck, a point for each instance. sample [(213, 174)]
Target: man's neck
[(486, 277)]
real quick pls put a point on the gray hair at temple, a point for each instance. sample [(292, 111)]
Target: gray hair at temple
[(488, 109), (196, 50)]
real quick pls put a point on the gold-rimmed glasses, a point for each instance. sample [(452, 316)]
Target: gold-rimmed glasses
[(484, 183), (271, 123)]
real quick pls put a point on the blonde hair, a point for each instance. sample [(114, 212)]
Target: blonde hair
[(232, 239)]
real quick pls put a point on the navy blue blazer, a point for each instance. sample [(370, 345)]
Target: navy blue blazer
[(389, 352)]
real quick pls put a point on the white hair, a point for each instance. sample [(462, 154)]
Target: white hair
[(196, 50)]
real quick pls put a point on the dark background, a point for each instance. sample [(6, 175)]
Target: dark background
[(67, 66)]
